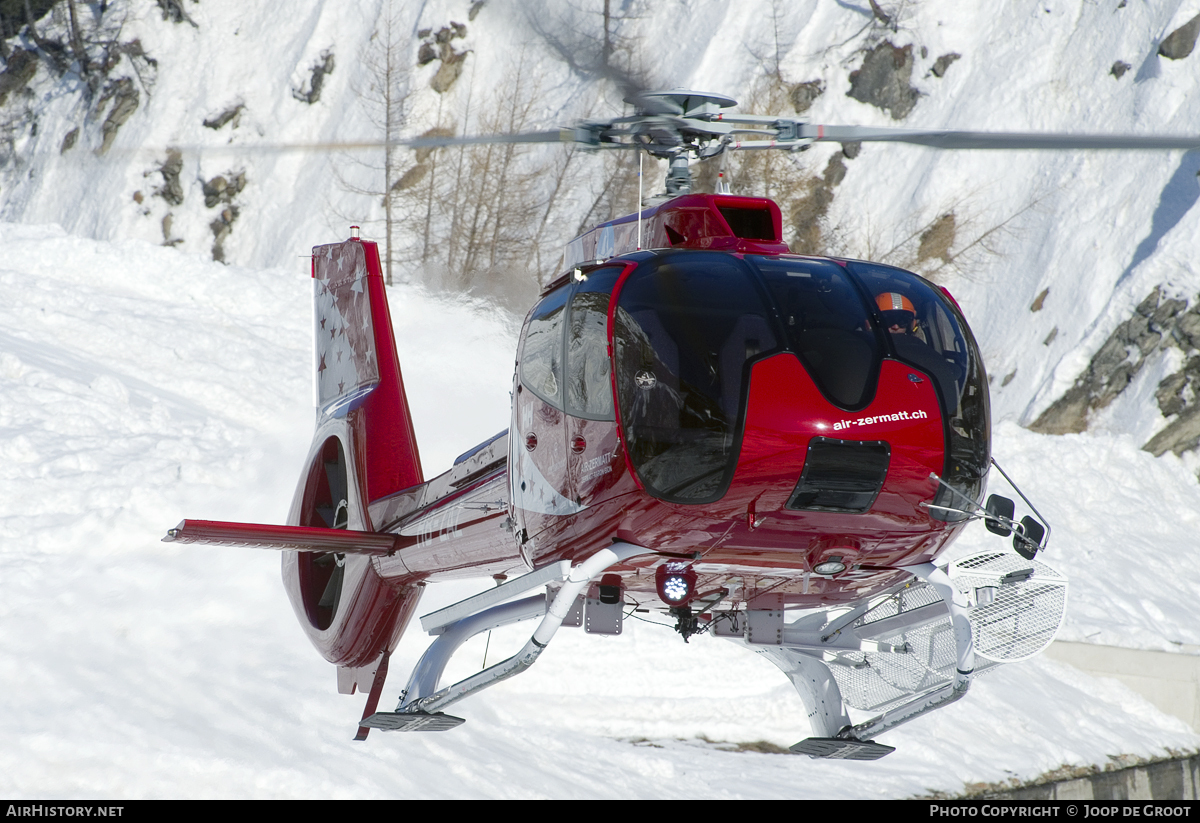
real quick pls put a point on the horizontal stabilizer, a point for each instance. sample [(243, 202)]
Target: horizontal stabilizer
[(283, 538)]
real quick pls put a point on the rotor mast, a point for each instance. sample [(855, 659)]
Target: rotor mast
[(676, 125), (679, 125)]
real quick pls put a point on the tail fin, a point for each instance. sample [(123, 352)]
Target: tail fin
[(364, 449), (358, 373)]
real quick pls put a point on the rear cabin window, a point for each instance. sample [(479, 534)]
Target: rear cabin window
[(564, 350), (589, 392)]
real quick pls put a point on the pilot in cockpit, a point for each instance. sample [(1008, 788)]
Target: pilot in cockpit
[(899, 315), (912, 345)]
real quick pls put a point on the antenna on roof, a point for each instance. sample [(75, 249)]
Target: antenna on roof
[(639, 202)]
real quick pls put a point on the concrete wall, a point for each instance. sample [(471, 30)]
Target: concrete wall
[(1164, 780), (1171, 681)]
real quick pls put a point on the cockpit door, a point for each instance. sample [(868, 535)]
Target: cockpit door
[(537, 457), (594, 458)]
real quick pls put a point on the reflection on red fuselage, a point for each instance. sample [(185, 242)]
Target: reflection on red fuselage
[(746, 415), (749, 540)]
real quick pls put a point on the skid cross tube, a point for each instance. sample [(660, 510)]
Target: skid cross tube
[(425, 676), (581, 575), (436, 622)]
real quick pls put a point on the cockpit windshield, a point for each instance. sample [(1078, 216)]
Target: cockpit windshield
[(686, 325)]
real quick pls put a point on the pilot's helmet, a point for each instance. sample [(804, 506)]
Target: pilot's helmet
[(896, 311)]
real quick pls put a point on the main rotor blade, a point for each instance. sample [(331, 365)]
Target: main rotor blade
[(996, 139), (552, 136)]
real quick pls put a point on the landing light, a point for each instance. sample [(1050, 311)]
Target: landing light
[(675, 588), (676, 582), (832, 566)]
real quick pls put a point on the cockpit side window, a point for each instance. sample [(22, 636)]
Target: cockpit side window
[(926, 331), (542, 349), (921, 328), (589, 392)]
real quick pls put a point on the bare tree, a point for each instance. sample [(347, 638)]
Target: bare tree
[(495, 198), (617, 192), (385, 99), (479, 216), (491, 218), (77, 47), (960, 237)]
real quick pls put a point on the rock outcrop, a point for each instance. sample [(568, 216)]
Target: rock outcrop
[(438, 46), (803, 95), (172, 188), (1159, 323), (1180, 43), (884, 81), (316, 81), (18, 71), (125, 97)]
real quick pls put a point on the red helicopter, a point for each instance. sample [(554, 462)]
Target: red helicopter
[(772, 448)]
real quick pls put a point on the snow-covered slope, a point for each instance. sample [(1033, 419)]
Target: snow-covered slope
[(140, 384)]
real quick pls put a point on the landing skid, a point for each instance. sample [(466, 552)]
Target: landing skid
[(833, 748), (412, 721), (904, 653), (454, 625), (910, 651)]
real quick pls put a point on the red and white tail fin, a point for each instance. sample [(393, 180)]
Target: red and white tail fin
[(357, 371), (364, 449)]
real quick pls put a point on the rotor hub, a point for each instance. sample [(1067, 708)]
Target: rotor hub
[(679, 102)]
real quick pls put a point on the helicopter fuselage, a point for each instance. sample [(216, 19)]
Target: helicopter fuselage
[(754, 419)]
